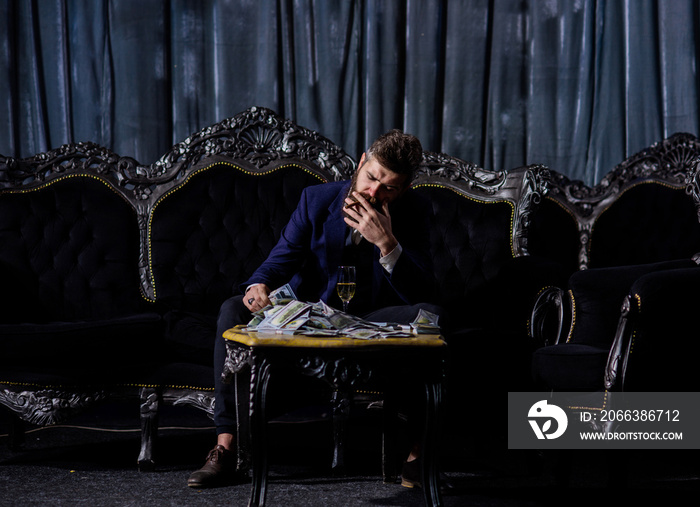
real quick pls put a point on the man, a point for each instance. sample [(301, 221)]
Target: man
[(370, 222)]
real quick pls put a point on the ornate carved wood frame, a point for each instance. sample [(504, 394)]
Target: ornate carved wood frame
[(668, 162)]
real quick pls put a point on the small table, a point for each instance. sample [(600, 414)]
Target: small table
[(344, 363)]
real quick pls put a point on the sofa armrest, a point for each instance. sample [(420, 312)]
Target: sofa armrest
[(656, 346), (551, 317)]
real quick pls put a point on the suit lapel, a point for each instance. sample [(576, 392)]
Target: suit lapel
[(334, 230)]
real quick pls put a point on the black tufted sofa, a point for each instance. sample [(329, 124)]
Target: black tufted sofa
[(113, 272)]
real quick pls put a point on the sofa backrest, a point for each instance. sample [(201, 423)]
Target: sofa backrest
[(103, 234), (479, 220), (69, 247), (197, 222), (208, 235), (638, 213), (232, 188)]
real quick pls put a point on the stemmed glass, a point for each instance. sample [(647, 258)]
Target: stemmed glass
[(346, 285)]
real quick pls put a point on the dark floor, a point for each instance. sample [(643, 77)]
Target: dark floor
[(91, 461)]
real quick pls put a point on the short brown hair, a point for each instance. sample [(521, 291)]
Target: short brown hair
[(399, 152)]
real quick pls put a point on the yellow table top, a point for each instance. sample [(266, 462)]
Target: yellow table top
[(256, 339)]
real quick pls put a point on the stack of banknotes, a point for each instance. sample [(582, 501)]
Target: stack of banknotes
[(287, 315)]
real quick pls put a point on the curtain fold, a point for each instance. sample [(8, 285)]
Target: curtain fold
[(575, 85)]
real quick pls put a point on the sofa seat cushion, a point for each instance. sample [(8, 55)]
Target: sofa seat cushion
[(105, 346), (189, 337), (570, 367)]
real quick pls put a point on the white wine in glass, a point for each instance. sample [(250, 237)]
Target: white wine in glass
[(346, 285)]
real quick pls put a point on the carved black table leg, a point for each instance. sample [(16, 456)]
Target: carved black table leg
[(390, 417), (150, 401), (429, 452), (237, 370), (259, 380), (341, 414), (243, 382)]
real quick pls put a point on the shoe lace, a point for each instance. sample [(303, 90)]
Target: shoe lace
[(215, 454)]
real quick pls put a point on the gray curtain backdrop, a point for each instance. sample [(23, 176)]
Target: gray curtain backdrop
[(577, 85)]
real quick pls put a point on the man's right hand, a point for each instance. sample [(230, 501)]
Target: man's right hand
[(256, 297)]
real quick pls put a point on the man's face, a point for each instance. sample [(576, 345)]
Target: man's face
[(378, 184)]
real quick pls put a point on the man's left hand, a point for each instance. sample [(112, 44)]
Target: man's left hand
[(374, 226)]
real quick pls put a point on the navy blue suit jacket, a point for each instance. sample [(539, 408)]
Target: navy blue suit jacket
[(311, 245)]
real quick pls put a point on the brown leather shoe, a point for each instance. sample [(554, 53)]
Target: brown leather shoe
[(219, 469), (410, 474)]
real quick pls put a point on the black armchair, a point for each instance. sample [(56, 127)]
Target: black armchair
[(640, 220), (625, 320), (582, 323)]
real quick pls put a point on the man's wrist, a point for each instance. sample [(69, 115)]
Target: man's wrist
[(388, 247), (389, 261)]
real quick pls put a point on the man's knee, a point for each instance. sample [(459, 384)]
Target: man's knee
[(232, 313)]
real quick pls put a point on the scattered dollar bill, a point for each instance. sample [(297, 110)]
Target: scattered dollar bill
[(363, 333), (318, 322), (256, 320), (289, 312), (321, 308), (343, 321), (425, 317), (390, 330), (282, 296), (269, 313), (287, 315), (293, 326), (425, 323)]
